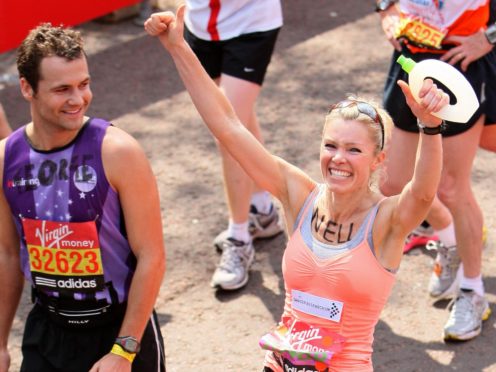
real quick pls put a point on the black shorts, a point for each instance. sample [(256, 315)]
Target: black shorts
[(245, 57), (490, 87), (48, 347), (395, 104)]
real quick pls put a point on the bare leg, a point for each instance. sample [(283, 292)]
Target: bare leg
[(238, 186), (455, 192), (488, 138), (439, 215)]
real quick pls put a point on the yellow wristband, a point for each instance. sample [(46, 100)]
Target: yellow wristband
[(118, 350)]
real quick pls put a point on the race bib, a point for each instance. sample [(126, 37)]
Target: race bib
[(419, 32), (64, 256), (301, 345), (316, 306)]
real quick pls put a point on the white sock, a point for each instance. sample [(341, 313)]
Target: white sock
[(474, 284), (262, 201), (238, 231), (447, 235)]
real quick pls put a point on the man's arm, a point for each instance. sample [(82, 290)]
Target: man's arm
[(472, 47), (5, 129), (390, 16), (10, 271), (469, 49), (130, 174)]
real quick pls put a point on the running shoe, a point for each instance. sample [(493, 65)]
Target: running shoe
[(465, 320), (236, 259), (446, 274), (419, 238), (261, 226)]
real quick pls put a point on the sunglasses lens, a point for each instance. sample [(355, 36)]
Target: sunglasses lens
[(368, 110), (363, 108)]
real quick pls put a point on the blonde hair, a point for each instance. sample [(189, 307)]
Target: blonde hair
[(349, 109)]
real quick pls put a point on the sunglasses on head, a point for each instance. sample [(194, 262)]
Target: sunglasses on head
[(363, 108)]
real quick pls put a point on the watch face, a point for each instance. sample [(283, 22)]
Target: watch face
[(129, 344)]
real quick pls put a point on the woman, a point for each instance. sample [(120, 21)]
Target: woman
[(346, 239)]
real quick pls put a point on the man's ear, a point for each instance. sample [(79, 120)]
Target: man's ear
[(26, 89)]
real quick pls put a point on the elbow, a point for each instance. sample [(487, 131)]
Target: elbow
[(424, 196)]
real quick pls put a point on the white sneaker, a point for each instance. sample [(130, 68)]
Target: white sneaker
[(236, 259), (467, 314), (264, 225), (261, 226), (445, 277)]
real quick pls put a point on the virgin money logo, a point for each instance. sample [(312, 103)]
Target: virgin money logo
[(52, 238)]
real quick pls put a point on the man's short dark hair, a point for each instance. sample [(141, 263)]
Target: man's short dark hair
[(46, 41)]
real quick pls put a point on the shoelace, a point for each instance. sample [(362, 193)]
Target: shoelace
[(447, 255), (462, 305), (253, 220), (230, 257)]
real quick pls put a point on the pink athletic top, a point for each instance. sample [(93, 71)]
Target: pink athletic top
[(352, 285)]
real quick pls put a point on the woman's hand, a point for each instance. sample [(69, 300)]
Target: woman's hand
[(168, 27), (432, 99)]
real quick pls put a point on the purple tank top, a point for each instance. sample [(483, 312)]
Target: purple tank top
[(69, 219)]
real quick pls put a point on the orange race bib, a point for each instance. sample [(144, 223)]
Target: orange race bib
[(64, 256), (419, 33)]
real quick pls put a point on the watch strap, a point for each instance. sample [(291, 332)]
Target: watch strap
[(381, 5), (118, 350), (491, 33), (431, 130)]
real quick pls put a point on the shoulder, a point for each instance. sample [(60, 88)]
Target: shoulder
[(386, 208), (298, 194), (122, 155), (119, 146)]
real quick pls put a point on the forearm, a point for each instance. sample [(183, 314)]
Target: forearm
[(5, 129), (143, 292), (10, 294), (428, 166)]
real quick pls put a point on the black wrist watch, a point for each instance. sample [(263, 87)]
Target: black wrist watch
[(431, 130), (128, 343), (491, 33), (381, 5)]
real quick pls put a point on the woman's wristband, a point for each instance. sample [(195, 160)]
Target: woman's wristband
[(431, 130), (118, 350)]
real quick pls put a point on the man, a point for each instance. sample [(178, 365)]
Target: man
[(422, 30), (80, 220)]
